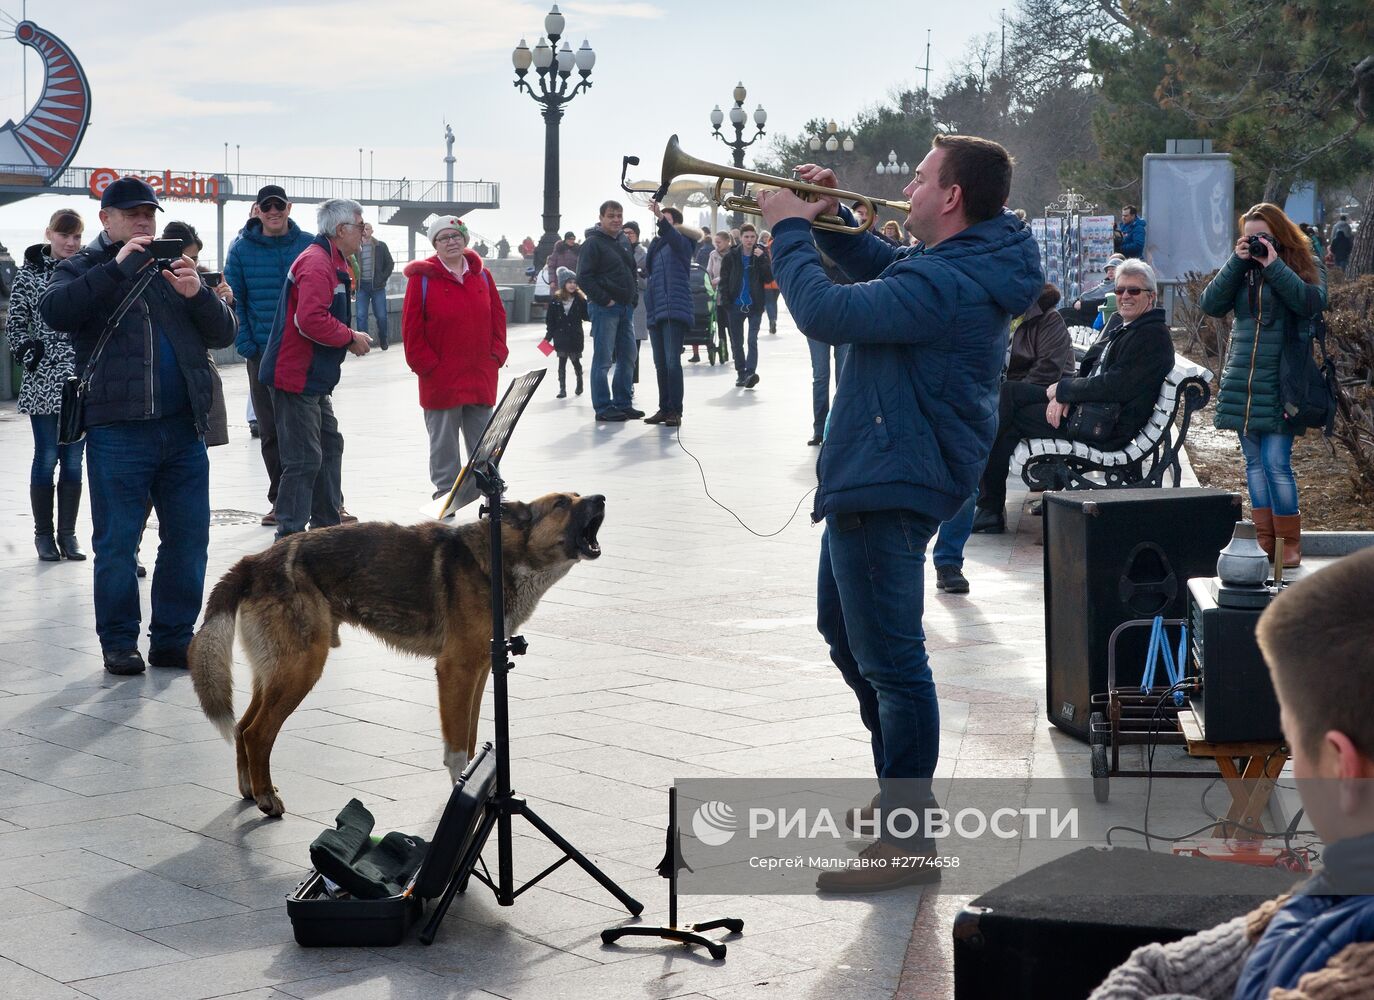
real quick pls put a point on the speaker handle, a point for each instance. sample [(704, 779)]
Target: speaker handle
[(1129, 589)]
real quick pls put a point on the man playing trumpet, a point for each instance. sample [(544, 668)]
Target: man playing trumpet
[(913, 419)]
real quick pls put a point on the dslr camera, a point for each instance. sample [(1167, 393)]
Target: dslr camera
[(1259, 248)]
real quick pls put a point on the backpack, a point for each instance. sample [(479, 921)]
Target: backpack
[(1307, 389)]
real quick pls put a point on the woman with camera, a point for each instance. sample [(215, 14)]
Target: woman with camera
[(1275, 284), (48, 361)]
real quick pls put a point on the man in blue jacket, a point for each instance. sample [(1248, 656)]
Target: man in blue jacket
[(912, 422), (255, 268), (1132, 232), (668, 302)]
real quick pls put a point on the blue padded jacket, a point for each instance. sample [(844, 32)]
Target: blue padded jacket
[(915, 411), (668, 294), (255, 268)]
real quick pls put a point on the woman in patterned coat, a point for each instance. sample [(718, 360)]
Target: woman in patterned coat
[(48, 360)]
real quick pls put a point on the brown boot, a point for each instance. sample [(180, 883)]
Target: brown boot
[(1289, 528), (878, 868), (1264, 529)]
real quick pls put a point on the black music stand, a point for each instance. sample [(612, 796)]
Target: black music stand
[(668, 868), (481, 476)]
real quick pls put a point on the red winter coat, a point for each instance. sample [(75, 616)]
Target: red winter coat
[(454, 333)]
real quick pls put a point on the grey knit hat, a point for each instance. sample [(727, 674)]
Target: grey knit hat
[(565, 275)]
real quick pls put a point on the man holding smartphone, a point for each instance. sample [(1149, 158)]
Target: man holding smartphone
[(743, 273), (147, 412)]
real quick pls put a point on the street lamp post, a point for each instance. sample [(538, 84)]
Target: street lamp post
[(553, 68), (738, 117), (891, 168)]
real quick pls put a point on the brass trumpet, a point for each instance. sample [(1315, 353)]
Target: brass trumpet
[(677, 163)]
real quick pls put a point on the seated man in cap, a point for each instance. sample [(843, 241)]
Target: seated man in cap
[(1084, 309), (147, 412)]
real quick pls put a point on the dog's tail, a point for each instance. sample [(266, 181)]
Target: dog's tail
[(211, 655)]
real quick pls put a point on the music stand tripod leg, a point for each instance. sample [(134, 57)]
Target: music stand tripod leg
[(585, 863)]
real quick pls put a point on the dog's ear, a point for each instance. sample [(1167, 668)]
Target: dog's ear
[(517, 514)]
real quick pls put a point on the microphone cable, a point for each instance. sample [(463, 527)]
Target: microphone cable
[(707, 489)]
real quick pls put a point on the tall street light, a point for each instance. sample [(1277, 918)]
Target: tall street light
[(832, 141), (738, 118), (891, 168), (553, 68)]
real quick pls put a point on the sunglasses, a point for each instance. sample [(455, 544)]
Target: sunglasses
[(272, 206), (1130, 290)]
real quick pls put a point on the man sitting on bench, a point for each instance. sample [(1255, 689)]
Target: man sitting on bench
[(1105, 406)]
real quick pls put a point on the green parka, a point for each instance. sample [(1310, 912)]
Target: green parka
[(1267, 303)]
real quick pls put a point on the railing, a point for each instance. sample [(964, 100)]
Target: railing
[(243, 187)]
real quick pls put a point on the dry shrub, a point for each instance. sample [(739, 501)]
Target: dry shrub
[(1211, 332), (1350, 340)]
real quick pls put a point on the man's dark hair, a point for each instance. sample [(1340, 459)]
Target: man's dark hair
[(633, 225), (1315, 638), (706, 230), (183, 231), (606, 206), (675, 214), (748, 227), (981, 168), (1130, 208)]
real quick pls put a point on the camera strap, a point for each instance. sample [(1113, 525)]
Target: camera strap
[(144, 280)]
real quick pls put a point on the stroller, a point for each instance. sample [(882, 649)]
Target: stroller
[(706, 331)]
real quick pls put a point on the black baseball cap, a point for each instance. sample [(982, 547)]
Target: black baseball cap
[(570, 235), (129, 192), (270, 191)]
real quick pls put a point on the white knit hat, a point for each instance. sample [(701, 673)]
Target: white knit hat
[(443, 222)]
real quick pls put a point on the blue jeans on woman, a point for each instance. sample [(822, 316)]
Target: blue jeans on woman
[(130, 462), (1269, 472), (47, 453), (666, 339), (869, 601)]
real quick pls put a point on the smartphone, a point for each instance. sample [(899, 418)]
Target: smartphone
[(165, 249), (212, 279)]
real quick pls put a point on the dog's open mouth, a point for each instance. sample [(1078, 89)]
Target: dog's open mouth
[(586, 541)]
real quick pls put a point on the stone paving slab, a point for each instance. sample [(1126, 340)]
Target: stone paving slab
[(129, 867)]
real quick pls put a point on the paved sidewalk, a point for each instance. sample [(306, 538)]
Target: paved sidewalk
[(129, 867)]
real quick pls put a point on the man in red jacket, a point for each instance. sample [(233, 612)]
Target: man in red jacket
[(454, 328), (310, 336)]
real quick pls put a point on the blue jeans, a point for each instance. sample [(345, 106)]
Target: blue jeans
[(666, 339), (1269, 472), (131, 462), (869, 602), (746, 361), (374, 299), (311, 462), (47, 453), (770, 306), (820, 380), (953, 536), (613, 342)]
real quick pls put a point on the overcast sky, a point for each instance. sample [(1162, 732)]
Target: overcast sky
[(299, 86)]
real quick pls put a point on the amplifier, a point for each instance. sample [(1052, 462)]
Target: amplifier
[(1237, 702)]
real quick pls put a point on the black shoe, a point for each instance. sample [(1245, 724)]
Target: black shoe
[(632, 414), (68, 503), (562, 394), (751, 381), (695, 358), (139, 569), (951, 580), (124, 662), (657, 418), (673, 420), (739, 382), (990, 522), (815, 441), (253, 428), (612, 416), (167, 656), (47, 548), (386, 344)]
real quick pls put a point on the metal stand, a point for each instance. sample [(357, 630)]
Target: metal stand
[(503, 803), (688, 935)]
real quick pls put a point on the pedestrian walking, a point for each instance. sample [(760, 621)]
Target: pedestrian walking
[(743, 273), (563, 328)]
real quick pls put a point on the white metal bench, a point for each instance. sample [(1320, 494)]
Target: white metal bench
[(1054, 463)]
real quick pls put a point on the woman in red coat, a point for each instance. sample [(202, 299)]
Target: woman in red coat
[(454, 329)]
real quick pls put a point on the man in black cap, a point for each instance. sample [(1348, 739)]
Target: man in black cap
[(563, 255), (256, 268), (146, 415)]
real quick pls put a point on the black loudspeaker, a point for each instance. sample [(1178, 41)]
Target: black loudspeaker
[(1057, 931), (1237, 703), (1112, 556)]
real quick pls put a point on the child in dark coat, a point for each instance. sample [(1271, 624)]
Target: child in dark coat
[(563, 320)]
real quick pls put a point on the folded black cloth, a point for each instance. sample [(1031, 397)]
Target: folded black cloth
[(348, 857)]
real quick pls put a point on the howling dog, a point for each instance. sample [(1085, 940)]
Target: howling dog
[(423, 589)]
